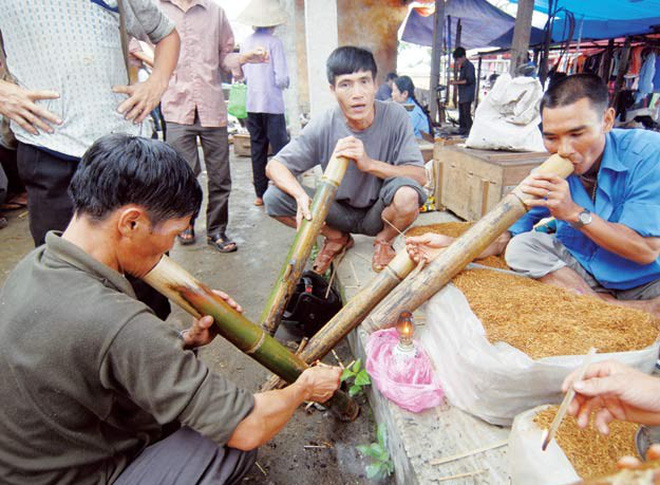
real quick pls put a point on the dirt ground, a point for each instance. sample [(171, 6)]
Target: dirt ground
[(248, 275)]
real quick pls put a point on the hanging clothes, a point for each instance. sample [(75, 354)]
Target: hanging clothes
[(646, 75), (635, 60), (656, 78)]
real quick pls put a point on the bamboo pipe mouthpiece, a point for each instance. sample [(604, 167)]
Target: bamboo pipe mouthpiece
[(555, 164), (302, 244)]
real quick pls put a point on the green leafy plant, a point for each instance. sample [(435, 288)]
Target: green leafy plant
[(381, 465), (358, 375)]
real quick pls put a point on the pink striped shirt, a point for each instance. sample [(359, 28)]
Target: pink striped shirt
[(207, 44)]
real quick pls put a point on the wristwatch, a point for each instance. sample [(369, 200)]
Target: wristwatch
[(584, 218)]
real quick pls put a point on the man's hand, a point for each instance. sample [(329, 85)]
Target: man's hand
[(303, 202), (554, 193), (202, 332), (427, 246), (353, 148), (614, 391), (255, 56), (18, 104), (142, 98), (319, 383)]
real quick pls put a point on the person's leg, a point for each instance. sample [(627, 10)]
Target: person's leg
[(543, 257), (186, 457), (276, 128), (340, 221), (215, 146), (256, 125), (399, 202), (46, 179), (468, 116), (183, 138)]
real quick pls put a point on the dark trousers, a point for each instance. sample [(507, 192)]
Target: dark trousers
[(465, 117), (215, 145), (264, 128), (186, 457), (10, 167), (46, 178)]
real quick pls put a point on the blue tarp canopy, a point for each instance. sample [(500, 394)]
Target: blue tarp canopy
[(482, 25), (603, 19)]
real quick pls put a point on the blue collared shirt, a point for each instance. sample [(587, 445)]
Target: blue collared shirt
[(628, 193)]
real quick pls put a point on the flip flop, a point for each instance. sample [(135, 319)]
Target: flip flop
[(383, 254), (222, 243), (330, 250), (187, 237)]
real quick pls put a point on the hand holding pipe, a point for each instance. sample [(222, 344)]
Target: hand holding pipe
[(178, 285), (414, 291)]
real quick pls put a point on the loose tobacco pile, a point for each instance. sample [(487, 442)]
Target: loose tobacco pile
[(542, 320), (591, 454)]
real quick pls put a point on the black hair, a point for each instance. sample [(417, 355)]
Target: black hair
[(458, 53), (391, 76), (404, 83), (119, 169), (573, 88), (349, 59)]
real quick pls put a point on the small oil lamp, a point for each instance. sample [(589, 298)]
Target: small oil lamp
[(404, 326)]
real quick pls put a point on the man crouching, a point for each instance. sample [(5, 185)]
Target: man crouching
[(93, 384)]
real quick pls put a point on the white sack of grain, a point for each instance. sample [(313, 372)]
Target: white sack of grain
[(528, 463), (497, 381), (508, 119)]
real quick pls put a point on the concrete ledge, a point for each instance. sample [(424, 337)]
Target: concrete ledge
[(415, 440)]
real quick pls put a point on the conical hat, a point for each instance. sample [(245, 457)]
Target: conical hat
[(263, 13)]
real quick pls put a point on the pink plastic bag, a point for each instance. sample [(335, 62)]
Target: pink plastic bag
[(409, 383)]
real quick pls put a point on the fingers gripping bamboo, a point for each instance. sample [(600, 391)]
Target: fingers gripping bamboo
[(302, 244), (177, 284), (417, 289)]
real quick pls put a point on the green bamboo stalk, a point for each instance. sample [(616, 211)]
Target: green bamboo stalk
[(415, 290), (197, 299), (296, 259)]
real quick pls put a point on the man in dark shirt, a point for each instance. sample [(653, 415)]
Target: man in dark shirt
[(91, 379), (466, 84), (384, 92)]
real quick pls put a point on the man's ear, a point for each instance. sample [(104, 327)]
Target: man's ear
[(130, 220), (332, 88), (608, 120)]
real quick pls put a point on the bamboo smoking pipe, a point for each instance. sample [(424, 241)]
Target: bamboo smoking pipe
[(414, 291), (352, 314), (178, 285), (301, 248)]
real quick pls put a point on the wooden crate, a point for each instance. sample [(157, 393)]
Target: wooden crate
[(474, 181), (440, 143), (426, 148), (242, 145)]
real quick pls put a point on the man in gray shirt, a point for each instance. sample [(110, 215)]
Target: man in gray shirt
[(384, 180), (94, 385)]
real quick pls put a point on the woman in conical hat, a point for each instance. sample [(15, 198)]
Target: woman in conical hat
[(265, 102)]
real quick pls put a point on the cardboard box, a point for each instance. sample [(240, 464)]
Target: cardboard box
[(473, 181)]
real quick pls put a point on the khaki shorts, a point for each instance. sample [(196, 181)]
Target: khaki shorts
[(536, 254)]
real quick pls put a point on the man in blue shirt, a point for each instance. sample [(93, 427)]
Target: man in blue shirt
[(608, 212)]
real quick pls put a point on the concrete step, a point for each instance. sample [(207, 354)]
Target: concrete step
[(415, 439)]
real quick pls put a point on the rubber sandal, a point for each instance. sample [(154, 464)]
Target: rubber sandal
[(222, 243), (330, 250), (187, 237), (258, 201), (383, 254)]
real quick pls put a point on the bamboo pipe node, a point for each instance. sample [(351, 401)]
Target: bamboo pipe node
[(257, 345)]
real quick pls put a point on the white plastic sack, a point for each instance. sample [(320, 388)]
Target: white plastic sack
[(509, 117), (497, 381), (528, 463)]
